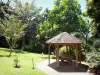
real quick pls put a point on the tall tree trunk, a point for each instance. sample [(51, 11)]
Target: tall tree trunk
[(23, 42), (10, 51), (10, 48)]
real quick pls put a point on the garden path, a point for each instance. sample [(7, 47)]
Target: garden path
[(64, 69)]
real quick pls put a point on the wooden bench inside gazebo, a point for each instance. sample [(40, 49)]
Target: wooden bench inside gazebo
[(65, 39)]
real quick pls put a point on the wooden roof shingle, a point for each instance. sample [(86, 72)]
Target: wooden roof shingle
[(64, 38)]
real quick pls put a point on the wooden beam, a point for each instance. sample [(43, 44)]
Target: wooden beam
[(49, 53), (73, 44), (57, 56), (56, 53), (76, 56), (80, 53)]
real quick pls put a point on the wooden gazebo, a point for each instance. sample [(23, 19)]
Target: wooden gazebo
[(65, 39)]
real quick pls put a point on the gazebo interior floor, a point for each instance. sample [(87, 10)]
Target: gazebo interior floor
[(65, 67)]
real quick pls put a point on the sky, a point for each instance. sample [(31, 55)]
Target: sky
[(50, 3)]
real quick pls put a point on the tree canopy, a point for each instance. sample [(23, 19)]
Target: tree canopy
[(66, 16), (93, 11), (12, 30)]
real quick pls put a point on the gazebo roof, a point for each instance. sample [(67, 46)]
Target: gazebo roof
[(64, 38)]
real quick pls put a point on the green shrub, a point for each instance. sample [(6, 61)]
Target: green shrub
[(62, 49), (71, 51), (93, 58), (28, 48), (16, 62)]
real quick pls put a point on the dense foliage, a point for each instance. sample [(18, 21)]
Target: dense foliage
[(30, 15), (93, 11), (65, 16), (93, 46)]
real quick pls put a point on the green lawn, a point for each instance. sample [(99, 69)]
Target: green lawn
[(7, 63)]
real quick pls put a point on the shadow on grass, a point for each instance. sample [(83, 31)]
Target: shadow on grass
[(19, 51), (7, 55), (4, 56), (14, 50), (44, 57), (65, 67)]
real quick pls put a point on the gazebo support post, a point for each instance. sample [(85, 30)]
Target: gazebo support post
[(56, 53), (76, 56), (80, 53), (57, 56), (49, 53)]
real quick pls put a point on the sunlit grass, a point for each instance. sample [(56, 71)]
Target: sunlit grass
[(25, 60)]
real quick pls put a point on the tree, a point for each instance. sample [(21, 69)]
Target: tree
[(66, 15), (5, 9), (29, 14), (12, 30), (93, 11)]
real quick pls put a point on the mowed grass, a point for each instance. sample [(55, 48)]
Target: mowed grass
[(25, 58)]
